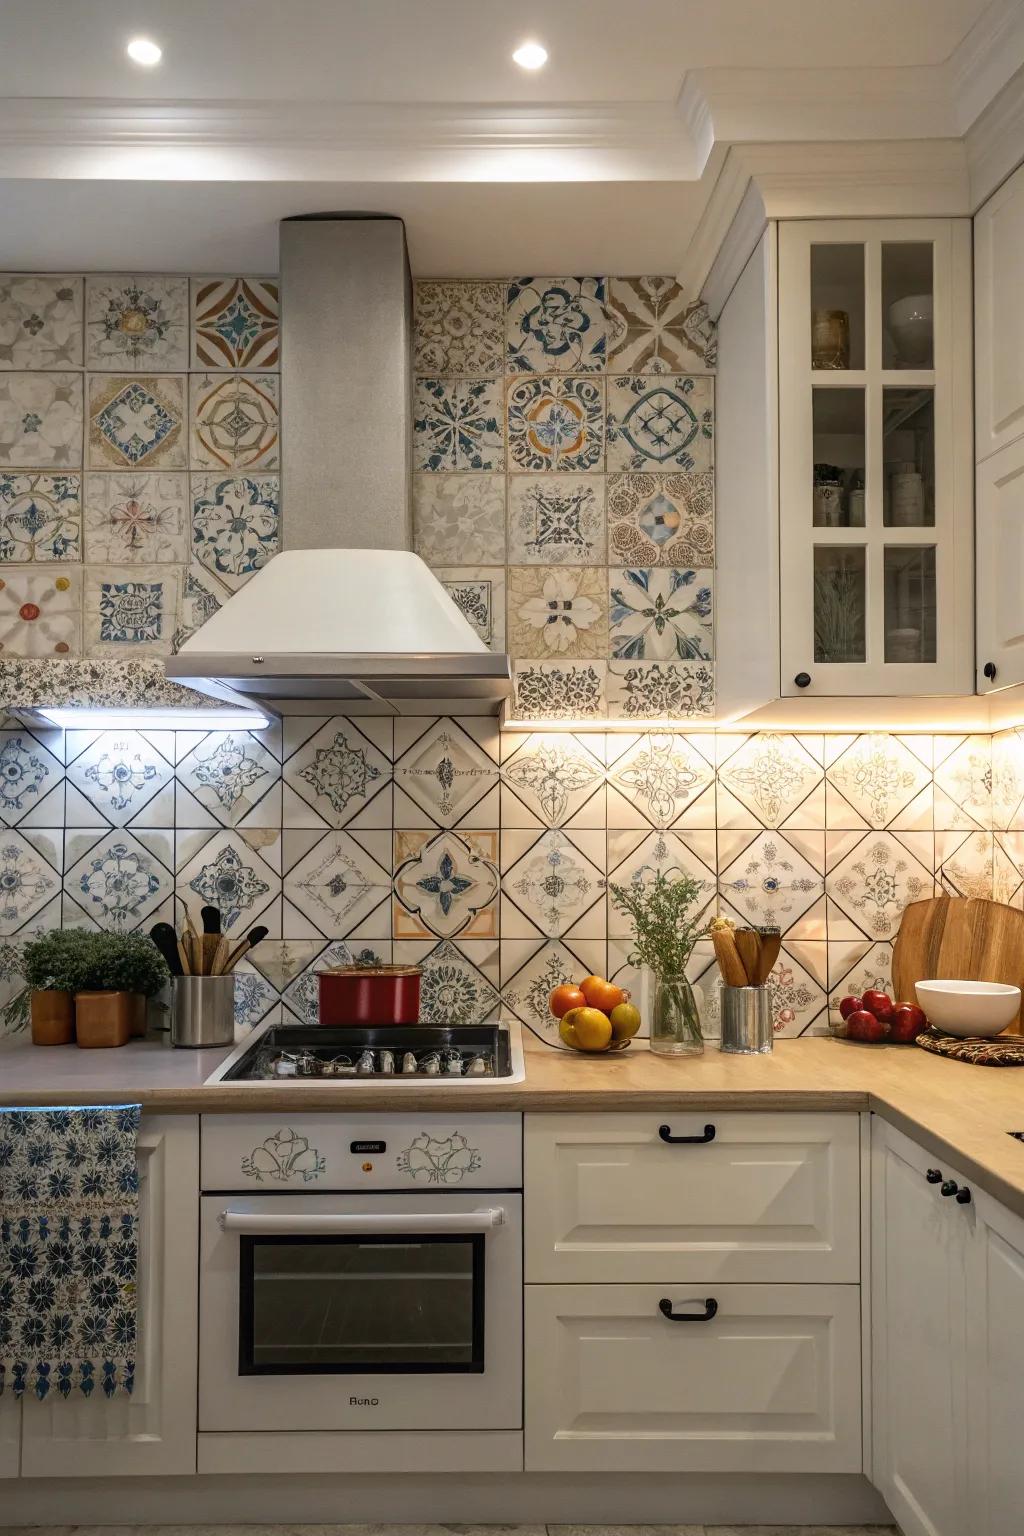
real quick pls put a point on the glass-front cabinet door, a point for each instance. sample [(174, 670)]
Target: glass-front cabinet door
[(875, 453)]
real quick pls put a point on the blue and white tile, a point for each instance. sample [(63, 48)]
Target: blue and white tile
[(530, 970), (661, 690), (556, 423), (229, 773), (443, 770), (226, 872), (661, 614), (459, 519), (40, 320), (771, 780), (136, 519), (773, 881), (132, 609), (30, 781), (41, 421), (446, 884), (459, 979), (40, 518), (555, 690), (341, 772), (255, 998), (457, 425), (556, 520), (120, 879), (343, 882), (137, 422), (552, 884), (555, 325), (551, 779), (234, 524), (135, 322), (118, 773), (201, 597), (871, 878), (12, 958), (29, 875), (664, 423), (636, 858), (478, 591), (660, 779)]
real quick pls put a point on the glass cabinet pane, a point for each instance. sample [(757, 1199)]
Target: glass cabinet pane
[(909, 602), (840, 603), (908, 452), (838, 425), (837, 306), (907, 303)]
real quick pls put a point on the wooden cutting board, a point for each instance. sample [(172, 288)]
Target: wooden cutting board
[(956, 938)]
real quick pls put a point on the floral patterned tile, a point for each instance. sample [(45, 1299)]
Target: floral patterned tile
[(457, 425), (118, 773), (665, 777), (255, 999), (201, 597), (342, 880), (556, 521), (661, 613), (339, 771), (234, 524), (459, 329), (662, 519), (659, 690), (875, 776), (40, 615), (797, 989), (235, 322), (557, 611), (556, 423), (963, 782), (28, 774), (137, 422), (40, 518), (459, 519), (40, 320), (446, 884), (1008, 868), (772, 776), (550, 880), (458, 981), (120, 880), (855, 967), (479, 593), (653, 327), (136, 322), (661, 424), (445, 772), (550, 778), (555, 324), (234, 421), (229, 772), (1007, 778), (772, 880), (136, 519), (29, 877), (550, 690), (964, 864), (225, 872), (41, 416), (133, 606), (635, 858), (878, 877)]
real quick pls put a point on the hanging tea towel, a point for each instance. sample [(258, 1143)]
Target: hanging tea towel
[(69, 1248)]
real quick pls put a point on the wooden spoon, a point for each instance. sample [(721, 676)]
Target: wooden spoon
[(728, 957), (768, 952), (748, 943)]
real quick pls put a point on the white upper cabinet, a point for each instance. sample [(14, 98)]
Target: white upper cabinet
[(999, 317), (875, 457)]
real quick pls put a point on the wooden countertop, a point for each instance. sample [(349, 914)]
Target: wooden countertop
[(962, 1112)]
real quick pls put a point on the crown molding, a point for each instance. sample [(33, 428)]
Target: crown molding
[(986, 60), (718, 228), (995, 141)]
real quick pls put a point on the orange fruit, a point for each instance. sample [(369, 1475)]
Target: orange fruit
[(564, 997), (602, 994)]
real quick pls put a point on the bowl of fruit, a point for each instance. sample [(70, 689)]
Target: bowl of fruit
[(594, 1016), (874, 1019)]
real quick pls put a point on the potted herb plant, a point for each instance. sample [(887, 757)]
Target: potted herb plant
[(664, 933), (126, 969), (56, 966)]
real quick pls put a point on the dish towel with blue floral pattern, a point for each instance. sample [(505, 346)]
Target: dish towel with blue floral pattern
[(69, 1249)]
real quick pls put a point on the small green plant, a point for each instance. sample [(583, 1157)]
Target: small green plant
[(62, 960), (664, 933), (128, 962)]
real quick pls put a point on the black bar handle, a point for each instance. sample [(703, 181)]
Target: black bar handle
[(710, 1308), (665, 1132)]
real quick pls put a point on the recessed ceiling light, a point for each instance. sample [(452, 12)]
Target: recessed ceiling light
[(530, 56), (142, 50)]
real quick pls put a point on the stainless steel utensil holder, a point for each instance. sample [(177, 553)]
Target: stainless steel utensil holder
[(747, 1021), (204, 1011)]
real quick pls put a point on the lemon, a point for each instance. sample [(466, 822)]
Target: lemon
[(625, 1021), (592, 1028)]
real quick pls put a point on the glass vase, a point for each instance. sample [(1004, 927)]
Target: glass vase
[(675, 1025)]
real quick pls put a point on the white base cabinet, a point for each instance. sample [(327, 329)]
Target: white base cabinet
[(995, 1369)]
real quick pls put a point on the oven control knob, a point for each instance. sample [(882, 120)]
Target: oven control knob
[(367, 1167)]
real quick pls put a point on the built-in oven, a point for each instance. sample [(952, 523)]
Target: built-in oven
[(399, 1308)]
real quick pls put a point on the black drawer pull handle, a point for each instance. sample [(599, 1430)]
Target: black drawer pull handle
[(963, 1196), (665, 1132), (710, 1308), (933, 1175), (949, 1188)]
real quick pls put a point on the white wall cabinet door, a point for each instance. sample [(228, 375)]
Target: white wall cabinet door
[(1000, 546), (154, 1431), (999, 318), (919, 1250), (10, 1435), (995, 1368)]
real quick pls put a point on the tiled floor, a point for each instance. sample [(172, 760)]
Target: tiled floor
[(452, 1530)]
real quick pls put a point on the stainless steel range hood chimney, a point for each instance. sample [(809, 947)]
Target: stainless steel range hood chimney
[(345, 612)]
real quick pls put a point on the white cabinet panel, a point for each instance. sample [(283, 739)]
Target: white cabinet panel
[(10, 1435), (1000, 543), (995, 1370), (771, 1383), (153, 1431), (772, 1197), (999, 317)]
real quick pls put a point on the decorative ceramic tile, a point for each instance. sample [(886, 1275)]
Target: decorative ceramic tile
[(965, 864), (654, 328), (27, 775), (446, 884), (798, 1001), (964, 777), (1007, 878), (559, 611), (660, 690), (1007, 778), (27, 881), (40, 517), (526, 992), (459, 519), (855, 969), (445, 772), (660, 613), (40, 615), (120, 882), (234, 525), (40, 321), (228, 874), (453, 990), (553, 883), (119, 773), (556, 521), (479, 594), (556, 423), (771, 775), (875, 881), (338, 772), (550, 690), (134, 680), (136, 423), (553, 776), (635, 858), (40, 420), (136, 322), (555, 324), (878, 776), (662, 775), (459, 329), (131, 606), (662, 519), (457, 424), (254, 998), (339, 883), (229, 772), (770, 883), (665, 423), (235, 322), (235, 421), (201, 597), (136, 519)]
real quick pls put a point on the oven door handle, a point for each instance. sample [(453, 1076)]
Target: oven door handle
[(271, 1224)]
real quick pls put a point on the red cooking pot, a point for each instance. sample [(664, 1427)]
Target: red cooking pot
[(370, 994)]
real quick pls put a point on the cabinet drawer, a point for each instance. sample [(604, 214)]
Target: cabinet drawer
[(772, 1197), (770, 1384)]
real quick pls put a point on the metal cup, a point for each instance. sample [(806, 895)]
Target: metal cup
[(204, 1011), (747, 1021)]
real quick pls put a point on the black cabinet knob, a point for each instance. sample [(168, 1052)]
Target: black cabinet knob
[(989, 670), (803, 679), (963, 1196), (950, 1187), (933, 1175)]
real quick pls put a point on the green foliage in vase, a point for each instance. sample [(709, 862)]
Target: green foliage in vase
[(664, 930)]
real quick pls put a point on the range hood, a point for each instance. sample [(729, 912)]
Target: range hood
[(345, 612)]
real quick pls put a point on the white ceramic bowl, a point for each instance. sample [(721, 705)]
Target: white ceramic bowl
[(969, 1008), (910, 326)]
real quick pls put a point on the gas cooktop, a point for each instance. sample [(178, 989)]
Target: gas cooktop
[(398, 1055)]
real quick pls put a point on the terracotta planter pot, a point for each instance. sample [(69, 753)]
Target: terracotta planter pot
[(137, 1002), (104, 1019), (53, 1017)]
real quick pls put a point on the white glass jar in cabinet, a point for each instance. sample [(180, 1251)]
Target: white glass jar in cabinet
[(875, 445)]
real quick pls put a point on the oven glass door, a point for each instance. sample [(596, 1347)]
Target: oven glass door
[(337, 1305)]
